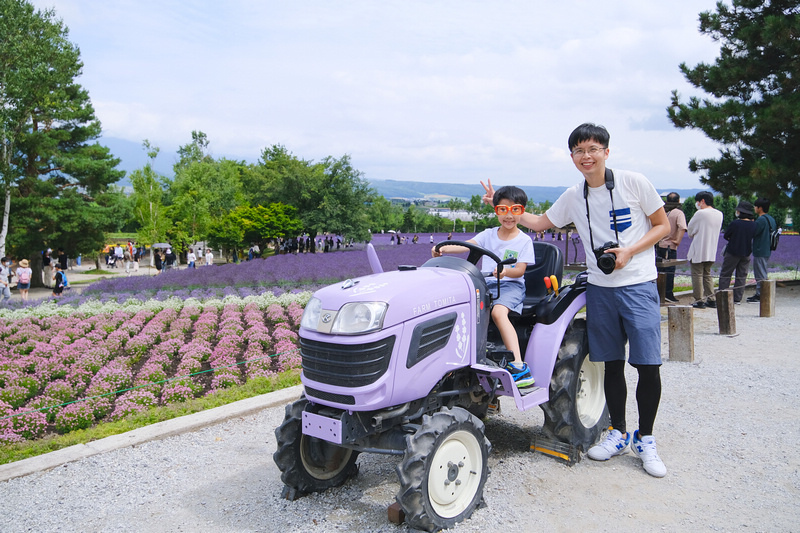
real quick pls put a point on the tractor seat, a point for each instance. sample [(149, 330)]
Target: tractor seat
[(549, 261)]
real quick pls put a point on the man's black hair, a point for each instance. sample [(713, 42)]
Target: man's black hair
[(674, 197), (509, 192), (763, 203), (4, 260), (706, 196), (588, 132)]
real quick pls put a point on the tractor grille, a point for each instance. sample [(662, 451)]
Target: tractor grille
[(346, 365)]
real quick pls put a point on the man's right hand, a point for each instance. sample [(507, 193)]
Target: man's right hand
[(488, 198)]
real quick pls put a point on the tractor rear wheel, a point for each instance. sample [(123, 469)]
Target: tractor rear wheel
[(576, 412), (309, 464), (443, 470)]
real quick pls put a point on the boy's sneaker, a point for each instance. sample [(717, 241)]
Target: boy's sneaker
[(521, 374), (614, 444), (754, 298), (645, 449)]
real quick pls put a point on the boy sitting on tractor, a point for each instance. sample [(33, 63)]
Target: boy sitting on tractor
[(506, 241)]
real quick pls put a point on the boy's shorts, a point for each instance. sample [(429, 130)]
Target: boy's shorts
[(615, 315), (511, 294)]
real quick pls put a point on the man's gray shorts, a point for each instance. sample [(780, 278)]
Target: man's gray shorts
[(615, 315)]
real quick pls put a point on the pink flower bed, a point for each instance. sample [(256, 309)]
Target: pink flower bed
[(65, 373)]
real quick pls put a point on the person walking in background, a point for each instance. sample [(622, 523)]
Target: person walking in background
[(63, 260), (158, 262), (667, 247), (5, 280), (703, 228), (47, 268), (736, 257), (191, 259), (24, 274), (126, 255), (209, 257), (169, 259), (58, 281), (137, 256), (765, 225)]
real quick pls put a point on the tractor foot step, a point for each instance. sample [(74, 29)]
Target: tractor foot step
[(566, 453)]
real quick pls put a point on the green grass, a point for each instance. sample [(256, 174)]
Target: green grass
[(253, 387)]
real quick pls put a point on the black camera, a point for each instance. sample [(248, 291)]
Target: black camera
[(606, 261)]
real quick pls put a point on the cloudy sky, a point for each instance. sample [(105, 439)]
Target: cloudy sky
[(449, 91)]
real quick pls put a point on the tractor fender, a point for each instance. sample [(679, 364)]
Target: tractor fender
[(547, 335)]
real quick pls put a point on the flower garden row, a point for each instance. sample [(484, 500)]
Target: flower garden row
[(61, 373)]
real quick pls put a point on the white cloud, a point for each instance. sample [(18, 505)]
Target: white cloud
[(442, 91)]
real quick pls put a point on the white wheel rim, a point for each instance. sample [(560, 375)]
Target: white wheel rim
[(590, 399), (455, 474)]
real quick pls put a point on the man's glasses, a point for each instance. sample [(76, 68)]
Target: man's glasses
[(593, 151), (515, 209)]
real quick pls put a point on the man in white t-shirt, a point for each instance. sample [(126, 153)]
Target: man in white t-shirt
[(619, 217), (703, 228), (209, 257)]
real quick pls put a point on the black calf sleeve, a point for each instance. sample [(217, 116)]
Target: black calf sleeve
[(648, 396), (616, 393)]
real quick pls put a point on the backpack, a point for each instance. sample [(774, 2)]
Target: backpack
[(774, 235), (65, 283), (24, 277)]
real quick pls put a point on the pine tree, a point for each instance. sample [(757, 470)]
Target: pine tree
[(753, 107)]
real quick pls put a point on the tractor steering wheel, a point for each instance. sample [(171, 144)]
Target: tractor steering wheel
[(476, 252)]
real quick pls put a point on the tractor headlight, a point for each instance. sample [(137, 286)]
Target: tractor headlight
[(311, 314), (359, 317)]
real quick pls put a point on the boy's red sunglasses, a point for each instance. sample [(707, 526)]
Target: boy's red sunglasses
[(515, 209)]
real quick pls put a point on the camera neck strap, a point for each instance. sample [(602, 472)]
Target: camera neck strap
[(609, 178)]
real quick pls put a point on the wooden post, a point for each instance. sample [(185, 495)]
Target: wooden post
[(725, 312), (680, 322), (768, 298)]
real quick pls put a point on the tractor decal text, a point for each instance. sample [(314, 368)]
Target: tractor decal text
[(436, 303)]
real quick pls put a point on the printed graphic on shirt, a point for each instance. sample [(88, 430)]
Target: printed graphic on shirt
[(510, 253), (624, 220)]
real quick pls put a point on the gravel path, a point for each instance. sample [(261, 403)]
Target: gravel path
[(727, 431)]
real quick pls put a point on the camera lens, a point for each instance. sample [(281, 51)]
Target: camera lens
[(606, 263)]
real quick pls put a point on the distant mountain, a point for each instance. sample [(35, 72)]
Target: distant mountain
[(418, 190)]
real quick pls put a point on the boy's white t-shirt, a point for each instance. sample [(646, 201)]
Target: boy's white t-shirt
[(635, 199), (520, 247)]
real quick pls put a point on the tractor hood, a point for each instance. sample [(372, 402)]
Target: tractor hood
[(408, 293)]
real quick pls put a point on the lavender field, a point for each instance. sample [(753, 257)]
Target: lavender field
[(121, 346)]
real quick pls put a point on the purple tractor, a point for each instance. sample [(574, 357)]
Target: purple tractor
[(407, 363)]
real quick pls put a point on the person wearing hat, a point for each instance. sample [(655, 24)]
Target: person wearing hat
[(24, 274), (736, 257)]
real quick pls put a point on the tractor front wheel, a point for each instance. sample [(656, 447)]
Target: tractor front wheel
[(576, 412), (309, 464), (443, 470)]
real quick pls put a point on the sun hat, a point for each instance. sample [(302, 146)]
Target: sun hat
[(23, 263), (745, 207)]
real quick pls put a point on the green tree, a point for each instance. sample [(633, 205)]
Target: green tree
[(383, 215), (754, 106), (330, 196), (53, 179), (148, 194)]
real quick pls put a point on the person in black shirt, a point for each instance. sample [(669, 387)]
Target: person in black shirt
[(739, 235)]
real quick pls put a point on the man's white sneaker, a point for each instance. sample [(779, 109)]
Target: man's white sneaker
[(645, 449), (613, 444)]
